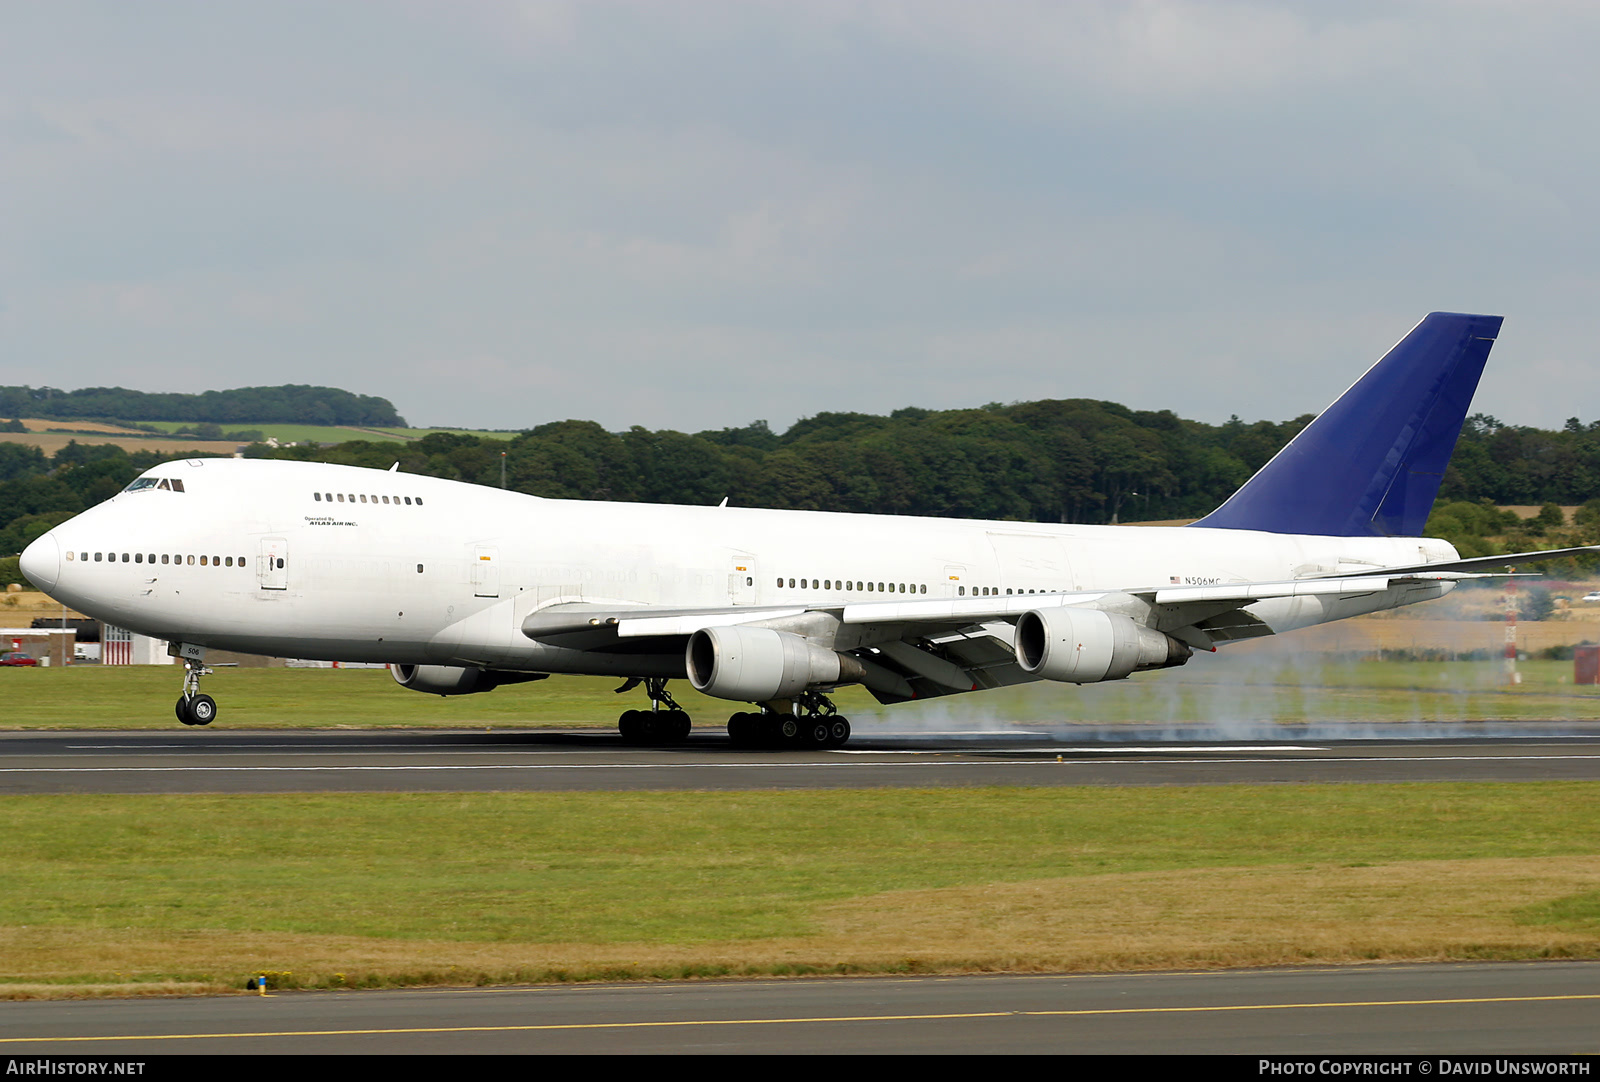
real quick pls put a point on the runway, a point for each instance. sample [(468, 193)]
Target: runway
[(1478, 1009), (546, 760), (1538, 1009)]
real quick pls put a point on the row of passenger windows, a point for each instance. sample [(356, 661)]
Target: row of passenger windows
[(166, 558), (891, 587), (354, 497), (851, 584)]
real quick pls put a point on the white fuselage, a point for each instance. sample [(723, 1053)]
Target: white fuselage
[(332, 562)]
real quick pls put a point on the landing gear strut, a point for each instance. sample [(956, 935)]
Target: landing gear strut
[(192, 707), (664, 723), (811, 722)]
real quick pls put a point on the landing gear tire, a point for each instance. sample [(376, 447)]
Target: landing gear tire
[(789, 730), (745, 730), (654, 726), (203, 709), (675, 725), (838, 732), (814, 733), (200, 710)]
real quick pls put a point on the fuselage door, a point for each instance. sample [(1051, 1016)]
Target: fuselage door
[(742, 579), (1031, 561), (272, 565), (955, 580), (485, 571)]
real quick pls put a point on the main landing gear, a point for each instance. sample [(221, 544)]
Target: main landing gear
[(194, 708), (809, 720), (813, 723), (664, 723)]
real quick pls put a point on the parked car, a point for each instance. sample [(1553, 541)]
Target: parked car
[(1594, 596), (16, 657)]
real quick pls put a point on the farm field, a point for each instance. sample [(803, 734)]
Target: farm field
[(51, 442), (418, 433), (45, 424), (284, 433), (130, 439)]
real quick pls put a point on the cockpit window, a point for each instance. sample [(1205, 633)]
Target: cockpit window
[(172, 484)]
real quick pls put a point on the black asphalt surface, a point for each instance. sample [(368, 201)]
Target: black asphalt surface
[(211, 761), (1536, 1009)]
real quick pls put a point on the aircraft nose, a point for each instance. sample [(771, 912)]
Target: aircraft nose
[(41, 562)]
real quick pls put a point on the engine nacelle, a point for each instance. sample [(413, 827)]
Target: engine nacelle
[(456, 679), (1085, 646), (758, 664)]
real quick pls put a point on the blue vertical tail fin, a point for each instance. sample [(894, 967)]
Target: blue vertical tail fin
[(1372, 463)]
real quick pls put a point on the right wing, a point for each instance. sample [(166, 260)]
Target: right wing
[(922, 647)]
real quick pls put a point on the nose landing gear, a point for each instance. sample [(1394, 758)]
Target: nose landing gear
[(192, 707)]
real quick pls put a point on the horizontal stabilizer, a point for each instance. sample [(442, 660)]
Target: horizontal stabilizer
[(1482, 564)]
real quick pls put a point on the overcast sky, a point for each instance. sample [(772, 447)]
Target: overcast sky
[(692, 215)]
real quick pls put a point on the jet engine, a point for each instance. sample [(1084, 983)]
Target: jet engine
[(456, 679), (1084, 646), (758, 664)]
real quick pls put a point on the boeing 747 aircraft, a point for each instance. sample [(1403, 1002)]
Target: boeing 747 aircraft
[(462, 588)]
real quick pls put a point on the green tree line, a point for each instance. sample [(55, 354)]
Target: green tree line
[(289, 404), (1073, 460)]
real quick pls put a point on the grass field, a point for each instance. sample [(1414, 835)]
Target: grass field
[(155, 893), (1229, 693)]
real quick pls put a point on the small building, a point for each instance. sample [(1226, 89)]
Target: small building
[(119, 646), (50, 646), (1586, 664)]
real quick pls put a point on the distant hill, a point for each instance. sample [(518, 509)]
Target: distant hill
[(289, 404)]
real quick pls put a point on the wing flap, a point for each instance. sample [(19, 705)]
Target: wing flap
[(629, 627), (562, 623)]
